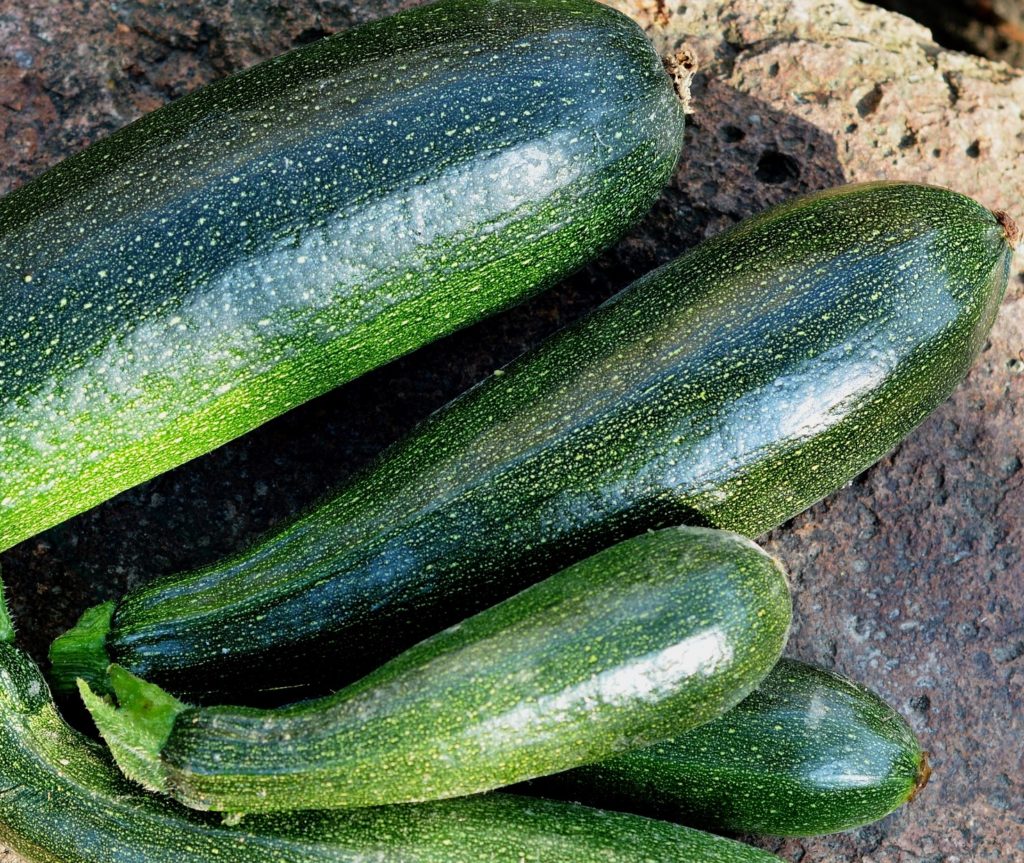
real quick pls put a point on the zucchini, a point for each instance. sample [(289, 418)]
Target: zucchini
[(807, 753), (733, 387), (663, 631), (282, 231), (63, 801)]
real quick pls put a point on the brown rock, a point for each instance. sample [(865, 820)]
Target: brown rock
[(911, 579), (992, 28)]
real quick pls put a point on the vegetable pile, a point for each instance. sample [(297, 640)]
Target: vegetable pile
[(552, 579)]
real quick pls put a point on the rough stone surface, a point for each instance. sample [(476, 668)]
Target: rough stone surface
[(910, 580), (992, 28)]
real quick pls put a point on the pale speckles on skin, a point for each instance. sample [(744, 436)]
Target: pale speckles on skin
[(659, 632), (62, 799), (226, 335), (809, 752), (650, 388), (278, 233), (651, 677), (799, 407)]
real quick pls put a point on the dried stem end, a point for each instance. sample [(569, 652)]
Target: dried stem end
[(924, 773), (1013, 233), (681, 66)]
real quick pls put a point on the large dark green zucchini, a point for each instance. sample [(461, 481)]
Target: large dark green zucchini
[(62, 801), (807, 753), (733, 387), (282, 231), (661, 632)]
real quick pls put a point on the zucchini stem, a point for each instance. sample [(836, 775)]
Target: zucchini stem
[(6, 624), (1013, 233), (137, 729), (81, 652), (681, 66), (924, 773)]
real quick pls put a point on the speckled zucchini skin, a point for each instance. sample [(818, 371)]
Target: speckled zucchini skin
[(732, 387), (807, 753), (665, 630), (282, 231), (62, 801)]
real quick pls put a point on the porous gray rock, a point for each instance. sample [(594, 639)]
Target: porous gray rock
[(910, 580)]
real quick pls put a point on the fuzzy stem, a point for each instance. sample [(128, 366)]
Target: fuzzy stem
[(6, 624), (138, 728), (81, 652)]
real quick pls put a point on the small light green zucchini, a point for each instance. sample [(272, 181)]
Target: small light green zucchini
[(663, 631), (63, 801), (807, 753), (733, 387), (285, 230)]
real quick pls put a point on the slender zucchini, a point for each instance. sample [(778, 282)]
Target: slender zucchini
[(282, 231), (62, 801), (807, 753), (663, 631), (733, 387)]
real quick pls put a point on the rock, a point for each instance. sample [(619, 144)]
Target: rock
[(992, 28), (909, 580)]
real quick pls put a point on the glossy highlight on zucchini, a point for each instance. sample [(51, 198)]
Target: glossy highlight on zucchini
[(284, 230), (663, 631), (63, 801), (807, 753), (733, 387)]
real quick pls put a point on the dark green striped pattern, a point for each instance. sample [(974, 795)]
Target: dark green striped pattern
[(807, 753), (62, 801), (733, 387), (284, 230), (661, 632)]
